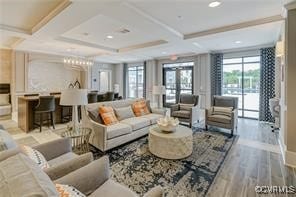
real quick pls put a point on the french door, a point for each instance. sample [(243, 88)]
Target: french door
[(177, 79)]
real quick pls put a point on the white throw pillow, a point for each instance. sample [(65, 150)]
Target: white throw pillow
[(36, 156), (68, 191), (4, 99)]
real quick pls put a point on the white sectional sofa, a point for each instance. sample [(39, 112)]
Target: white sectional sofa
[(107, 137)]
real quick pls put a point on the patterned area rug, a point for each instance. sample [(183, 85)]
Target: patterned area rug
[(134, 166)]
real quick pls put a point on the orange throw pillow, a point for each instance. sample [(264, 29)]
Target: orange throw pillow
[(140, 108), (107, 114)]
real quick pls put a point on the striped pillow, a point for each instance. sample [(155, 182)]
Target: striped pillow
[(140, 108), (226, 111), (107, 114), (36, 156), (68, 191)]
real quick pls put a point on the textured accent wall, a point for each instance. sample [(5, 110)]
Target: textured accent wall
[(49, 76), (5, 65)]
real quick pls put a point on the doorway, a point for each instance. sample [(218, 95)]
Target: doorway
[(241, 78), (177, 79)]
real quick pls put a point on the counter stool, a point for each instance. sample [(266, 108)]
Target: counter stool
[(46, 106), (92, 97)]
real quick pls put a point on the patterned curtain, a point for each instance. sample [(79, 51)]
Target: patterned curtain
[(124, 79), (267, 83), (216, 74), (144, 85)]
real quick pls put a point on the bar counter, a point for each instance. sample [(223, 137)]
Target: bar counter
[(26, 105)]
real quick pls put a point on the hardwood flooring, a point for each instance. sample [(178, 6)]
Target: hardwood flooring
[(254, 160)]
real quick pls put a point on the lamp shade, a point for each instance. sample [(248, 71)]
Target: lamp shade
[(74, 97), (158, 90)]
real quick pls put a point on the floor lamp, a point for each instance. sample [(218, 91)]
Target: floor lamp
[(74, 97), (158, 91)]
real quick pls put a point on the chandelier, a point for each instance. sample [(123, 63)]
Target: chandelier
[(75, 61)]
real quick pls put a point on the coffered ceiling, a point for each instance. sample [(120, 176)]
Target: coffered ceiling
[(117, 31)]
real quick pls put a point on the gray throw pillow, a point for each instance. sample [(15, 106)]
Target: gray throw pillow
[(124, 113), (95, 116), (6, 141), (225, 111)]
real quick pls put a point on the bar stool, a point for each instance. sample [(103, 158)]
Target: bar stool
[(110, 96), (46, 106)]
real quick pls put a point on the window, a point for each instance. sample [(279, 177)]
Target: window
[(241, 78), (135, 82)]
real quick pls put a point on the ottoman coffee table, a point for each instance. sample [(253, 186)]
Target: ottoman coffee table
[(175, 145)]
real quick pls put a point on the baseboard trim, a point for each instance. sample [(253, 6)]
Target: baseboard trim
[(289, 157)]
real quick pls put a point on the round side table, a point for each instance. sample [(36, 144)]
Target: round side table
[(79, 140), (175, 145)]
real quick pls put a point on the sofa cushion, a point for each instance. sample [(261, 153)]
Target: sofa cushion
[(140, 108), (226, 111), (4, 99), (137, 122), (5, 110), (110, 189), (62, 158), (185, 107), (20, 176), (6, 141), (181, 114), (152, 117), (124, 113), (220, 119), (36, 156), (107, 114), (117, 130)]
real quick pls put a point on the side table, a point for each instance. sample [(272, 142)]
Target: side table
[(79, 139)]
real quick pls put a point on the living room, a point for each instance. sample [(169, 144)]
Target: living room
[(147, 98)]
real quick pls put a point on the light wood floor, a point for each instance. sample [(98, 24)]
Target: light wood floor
[(254, 160)]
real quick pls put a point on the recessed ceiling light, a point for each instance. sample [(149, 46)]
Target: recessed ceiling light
[(110, 37), (214, 4), (238, 42), (197, 44)]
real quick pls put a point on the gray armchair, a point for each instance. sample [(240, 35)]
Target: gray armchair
[(187, 109), (224, 115)]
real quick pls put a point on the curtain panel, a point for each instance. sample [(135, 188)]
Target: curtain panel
[(144, 78), (125, 67), (267, 83), (216, 74)]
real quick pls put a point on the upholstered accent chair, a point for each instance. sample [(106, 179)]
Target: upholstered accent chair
[(223, 113), (187, 109)]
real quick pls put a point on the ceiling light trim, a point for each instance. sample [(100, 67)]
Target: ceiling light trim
[(15, 30), (142, 45), (57, 10), (154, 20), (237, 26)]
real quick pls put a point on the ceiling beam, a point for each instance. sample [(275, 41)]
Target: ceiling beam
[(87, 44), (58, 9), (154, 20), (234, 27), (141, 46)]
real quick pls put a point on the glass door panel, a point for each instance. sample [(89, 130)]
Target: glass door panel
[(170, 85), (232, 83), (186, 81), (251, 89)]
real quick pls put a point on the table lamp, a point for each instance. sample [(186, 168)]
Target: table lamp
[(74, 97), (159, 91)]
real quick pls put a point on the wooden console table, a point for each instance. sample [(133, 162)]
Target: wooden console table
[(26, 106)]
